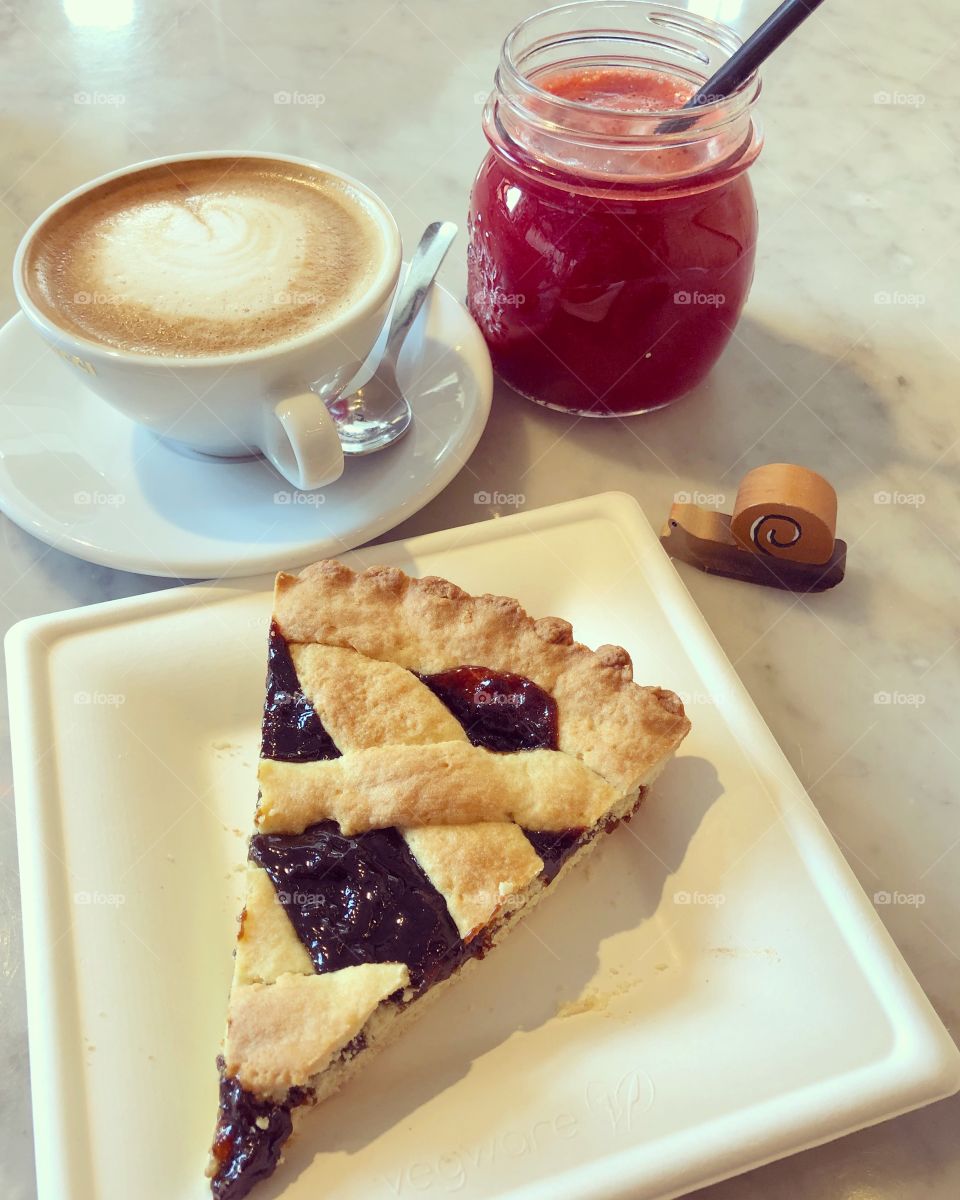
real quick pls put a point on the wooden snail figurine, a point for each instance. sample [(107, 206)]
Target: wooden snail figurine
[(781, 532)]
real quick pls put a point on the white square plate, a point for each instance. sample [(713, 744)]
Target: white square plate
[(711, 991)]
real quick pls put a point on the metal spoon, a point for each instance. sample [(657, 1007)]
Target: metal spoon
[(376, 413)]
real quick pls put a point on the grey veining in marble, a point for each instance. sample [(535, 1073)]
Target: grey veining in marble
[(846, 361)]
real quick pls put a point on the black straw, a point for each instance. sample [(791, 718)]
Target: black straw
[(740, 66)]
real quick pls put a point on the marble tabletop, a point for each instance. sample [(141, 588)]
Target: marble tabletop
[(845, 361)]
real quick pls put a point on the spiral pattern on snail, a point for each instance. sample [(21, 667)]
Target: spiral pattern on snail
[(775, 533)]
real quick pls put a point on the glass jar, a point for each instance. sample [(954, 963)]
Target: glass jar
[(611, 246)]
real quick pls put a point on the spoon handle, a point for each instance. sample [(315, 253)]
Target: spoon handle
[(436, 241)]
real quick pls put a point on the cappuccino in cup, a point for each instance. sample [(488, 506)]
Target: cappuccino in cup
[(217, 298), (213, 256)]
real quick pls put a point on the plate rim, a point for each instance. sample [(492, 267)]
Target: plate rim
[(299, 554), (923, 1065)]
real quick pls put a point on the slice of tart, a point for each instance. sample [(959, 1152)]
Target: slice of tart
[(431, 763)]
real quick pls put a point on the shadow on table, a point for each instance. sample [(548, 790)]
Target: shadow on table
[(768, 400)]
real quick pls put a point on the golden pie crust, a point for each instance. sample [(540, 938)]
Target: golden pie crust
[(428, 625), (356, 639)]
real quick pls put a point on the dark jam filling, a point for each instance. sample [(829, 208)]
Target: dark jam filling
[(247, 1152), (504, 712), (498, 711), (292, 731), (361, 899), (555, 848)]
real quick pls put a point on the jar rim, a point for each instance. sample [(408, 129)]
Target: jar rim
[(708, 114)]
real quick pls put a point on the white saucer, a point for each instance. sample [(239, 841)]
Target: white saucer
[(79, 475)]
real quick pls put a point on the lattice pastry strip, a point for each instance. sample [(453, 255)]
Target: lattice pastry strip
[(449, 783), (267, 943), (281, 1034), (369, 705), (363, 702)]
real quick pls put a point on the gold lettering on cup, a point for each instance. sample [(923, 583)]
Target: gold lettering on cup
[(76, 361)]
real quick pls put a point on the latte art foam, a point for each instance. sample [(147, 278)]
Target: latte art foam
[(216, 256)]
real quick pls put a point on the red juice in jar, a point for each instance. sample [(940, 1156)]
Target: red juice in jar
[(610, 256)]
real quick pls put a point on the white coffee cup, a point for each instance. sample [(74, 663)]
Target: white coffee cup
[(257, 401)]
